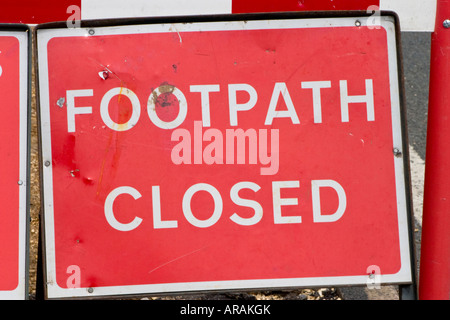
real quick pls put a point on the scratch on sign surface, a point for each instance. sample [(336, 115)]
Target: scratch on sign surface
[(176, 259)]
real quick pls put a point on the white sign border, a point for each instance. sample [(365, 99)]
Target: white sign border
[(54, 291)]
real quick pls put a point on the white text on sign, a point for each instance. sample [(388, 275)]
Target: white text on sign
[(280, 90), (278, 203), (221, 148)]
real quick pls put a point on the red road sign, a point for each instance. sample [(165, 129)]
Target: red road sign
[(13, 169), (222, 155)]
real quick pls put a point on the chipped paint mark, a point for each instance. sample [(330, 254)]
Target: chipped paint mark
[(60, 102), (172, 28), (108, 71), (104, 74), (72, 172)]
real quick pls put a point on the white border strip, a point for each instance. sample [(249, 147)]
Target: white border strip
[(20, 292), (54, 291), (401, 190)]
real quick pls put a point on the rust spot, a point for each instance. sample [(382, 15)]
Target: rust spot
[(166, 88), (165, 98)]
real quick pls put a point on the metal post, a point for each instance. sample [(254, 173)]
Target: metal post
[(434, 280)]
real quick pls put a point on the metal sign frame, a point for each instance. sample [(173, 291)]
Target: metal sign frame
[(43, 33), (24, 36)]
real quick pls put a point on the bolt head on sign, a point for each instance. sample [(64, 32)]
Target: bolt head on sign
[(14, 48), (221, 155)]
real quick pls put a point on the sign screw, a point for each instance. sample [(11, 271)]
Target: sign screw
[(358, 23), (91, 32), (20, 182), (90, 290), (446, 23), (47, 163), (397, 152)]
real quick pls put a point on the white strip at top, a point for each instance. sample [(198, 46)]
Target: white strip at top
[(102, 9), (415, 15)]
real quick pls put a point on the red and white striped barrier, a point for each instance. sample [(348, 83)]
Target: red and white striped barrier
[(415, 15)]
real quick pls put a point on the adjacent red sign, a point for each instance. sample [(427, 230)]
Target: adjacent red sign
[(222, 155), (34, 12), (13, 169)]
